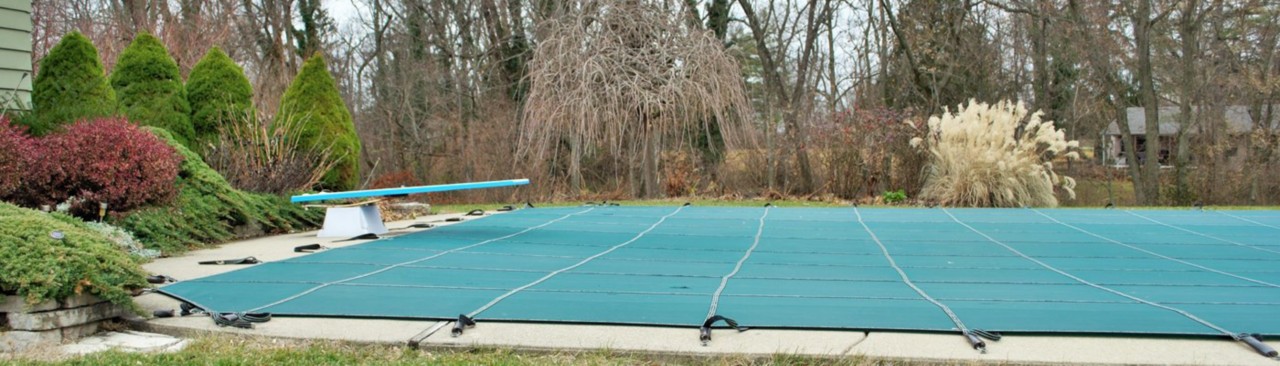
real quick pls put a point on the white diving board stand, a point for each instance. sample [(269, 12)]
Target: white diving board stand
[(365, 218)]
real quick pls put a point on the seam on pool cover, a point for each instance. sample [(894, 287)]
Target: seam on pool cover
[(1202, 234), (905, 279), (1248, 220), (388, 268), (1260, 282), (562, 270), (753, 278), (1100, 287), (724, 281)]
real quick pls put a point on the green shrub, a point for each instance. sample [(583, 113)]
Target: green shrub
[(994, 155), (892, 197), (36, 266), (150, 90), (326, 124), (70, 86), (219, 93), (208, 210)]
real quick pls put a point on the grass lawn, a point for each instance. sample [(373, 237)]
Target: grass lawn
[(231, 350), (705, 202), (459, 208)]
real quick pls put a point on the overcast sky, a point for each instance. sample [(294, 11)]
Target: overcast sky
[(342, 11)]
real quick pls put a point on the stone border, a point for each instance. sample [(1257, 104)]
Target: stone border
[(52, 322)]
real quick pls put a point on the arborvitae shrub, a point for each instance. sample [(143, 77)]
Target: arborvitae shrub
[(149, 87), (219, 94), (70, 86), (208, 210), (16, 150), (37, 266), (313, 99), (110, 161)]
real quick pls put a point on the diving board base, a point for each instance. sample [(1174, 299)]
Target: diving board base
[(352, 221)]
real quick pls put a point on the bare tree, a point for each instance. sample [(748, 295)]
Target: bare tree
[(628, 76)]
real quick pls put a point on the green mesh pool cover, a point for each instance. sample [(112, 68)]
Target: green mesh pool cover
[(1012, 270)]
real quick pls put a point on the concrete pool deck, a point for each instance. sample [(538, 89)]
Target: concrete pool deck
[(1017, 348)]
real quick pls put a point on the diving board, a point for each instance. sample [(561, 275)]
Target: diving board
[(347, 221), (395, 192)]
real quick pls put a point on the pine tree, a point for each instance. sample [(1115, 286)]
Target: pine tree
[(313, 100), (70, 86), (150, 89), (219, 93)]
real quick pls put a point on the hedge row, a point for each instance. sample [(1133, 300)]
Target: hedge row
[(147, 87)]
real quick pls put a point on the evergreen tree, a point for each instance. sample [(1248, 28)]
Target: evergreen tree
[(219, 93), (71, 86), (313, 100), (150, 89)]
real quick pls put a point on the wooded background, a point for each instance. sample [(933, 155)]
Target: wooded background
[(797, 98)]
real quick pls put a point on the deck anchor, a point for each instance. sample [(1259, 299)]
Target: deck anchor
[(1255, 341), (974, 341), (463, 322), (705, 330)]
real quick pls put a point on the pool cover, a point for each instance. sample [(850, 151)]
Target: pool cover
[(1181, 272)]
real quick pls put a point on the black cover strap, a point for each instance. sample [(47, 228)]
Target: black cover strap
[(245, 260), (506, 208), (705, 331), (255, 317), (230, 320), (366, 236), (475, 212), (308, 248), (188, 309), (159, 279), (462, 323), (995, 336)]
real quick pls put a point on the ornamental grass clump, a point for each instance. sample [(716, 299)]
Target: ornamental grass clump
[(994, 156)]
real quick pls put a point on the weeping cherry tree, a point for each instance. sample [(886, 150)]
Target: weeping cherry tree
[(632, 78)]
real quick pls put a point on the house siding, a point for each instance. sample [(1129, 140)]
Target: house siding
[(15, 54)]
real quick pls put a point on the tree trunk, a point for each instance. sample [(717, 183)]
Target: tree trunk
[(575, 164), (1100, 61), (1189, 31), (650, 153), (1151, 106)]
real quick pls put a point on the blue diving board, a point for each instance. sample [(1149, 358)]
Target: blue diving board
[(391, 192), (365, 218)]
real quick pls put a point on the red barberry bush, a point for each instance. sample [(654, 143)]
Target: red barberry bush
[(16, 151), (108, 160)]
